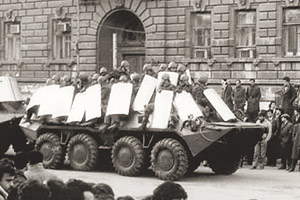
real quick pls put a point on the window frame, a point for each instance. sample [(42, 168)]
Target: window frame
[(238, 49), (55, 37), (295, 53)]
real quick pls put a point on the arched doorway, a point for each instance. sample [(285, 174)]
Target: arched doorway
[(121, 36)]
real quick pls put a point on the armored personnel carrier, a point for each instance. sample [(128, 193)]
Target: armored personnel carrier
[(75, 126), (11, 112)]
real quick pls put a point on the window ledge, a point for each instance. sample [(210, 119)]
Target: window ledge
[(11, 62), (68, 62)]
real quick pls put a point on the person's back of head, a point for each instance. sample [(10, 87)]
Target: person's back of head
[(33, 190), (35, 157), (101, 189), (169, 191), (76, 188), (127, 197), (58, 189)]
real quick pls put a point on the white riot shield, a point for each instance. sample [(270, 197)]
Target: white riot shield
[(219, 104), (119, 99), (63, 101), (173, 77), (78, 108), (162, 109), (36, 98), (188, 73), (145, 93), (93, 102), (185, 105), (9, 89), (49, 94)]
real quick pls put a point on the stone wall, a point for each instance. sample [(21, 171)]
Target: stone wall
[(166, 26)]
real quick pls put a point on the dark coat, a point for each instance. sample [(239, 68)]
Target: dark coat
[(286, 134), (227, 94), (288, 97), (239, 98), (253, 96), (296, 141)]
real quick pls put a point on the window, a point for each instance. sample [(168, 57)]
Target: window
[(12, 41), (201, 35), (246, 34), (291, 33), (61, 39)]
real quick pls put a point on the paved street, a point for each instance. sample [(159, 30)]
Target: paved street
[(245, 184)]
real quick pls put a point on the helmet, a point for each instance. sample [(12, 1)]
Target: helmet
[(181, 68), (184, 77), (162, 67), (135, 77), (202, 79), (165, 77), (103, 70), (123, 78), (49, 81), (95, 76), (124, 63), (55, 77), (172, 65), (147, 67), (66, 78), (83, 77)]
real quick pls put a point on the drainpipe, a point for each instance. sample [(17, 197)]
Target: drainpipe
[(77, 40)]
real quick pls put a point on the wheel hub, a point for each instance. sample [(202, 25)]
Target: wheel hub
[(80, 153), (125, 157), (46, 150), (165, 160)]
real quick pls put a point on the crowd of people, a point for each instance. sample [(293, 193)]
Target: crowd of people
[(24, 178), (281, 138)]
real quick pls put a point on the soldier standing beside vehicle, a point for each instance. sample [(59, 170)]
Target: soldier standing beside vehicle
[(227, 93), (261, 147), (253, 96), (288, 96), (239, 96)]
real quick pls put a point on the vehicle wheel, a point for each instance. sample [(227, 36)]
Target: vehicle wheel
[(54, 153), (83, 152), (169, 160), (128, 156), (225, 167)]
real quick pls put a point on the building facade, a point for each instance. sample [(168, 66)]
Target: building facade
[(232, 39)]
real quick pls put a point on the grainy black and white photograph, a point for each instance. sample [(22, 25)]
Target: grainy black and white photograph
[(149, 99)]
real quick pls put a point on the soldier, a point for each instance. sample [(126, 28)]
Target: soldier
[(56, 79), (166, 84), (172, 67), (183, 84), (197, 91), (95, 78), (135, 79), (49, 81), (103, 71), (147, 69), (122, 70), (239, 95), (288, 96), (181, 69), (261, 147), (66, 81), (253, 96), (83, 82), (162, 68), (227, 93)]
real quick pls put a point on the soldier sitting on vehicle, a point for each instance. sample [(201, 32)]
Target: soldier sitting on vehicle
[(172, 67), (122, 70), (135, 80), (162, 68), (56, 79), (66, 81), (147, 69), (166, 84), (95, 78), (184, 84), (83, 82), (181, 69), (103, 71)]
